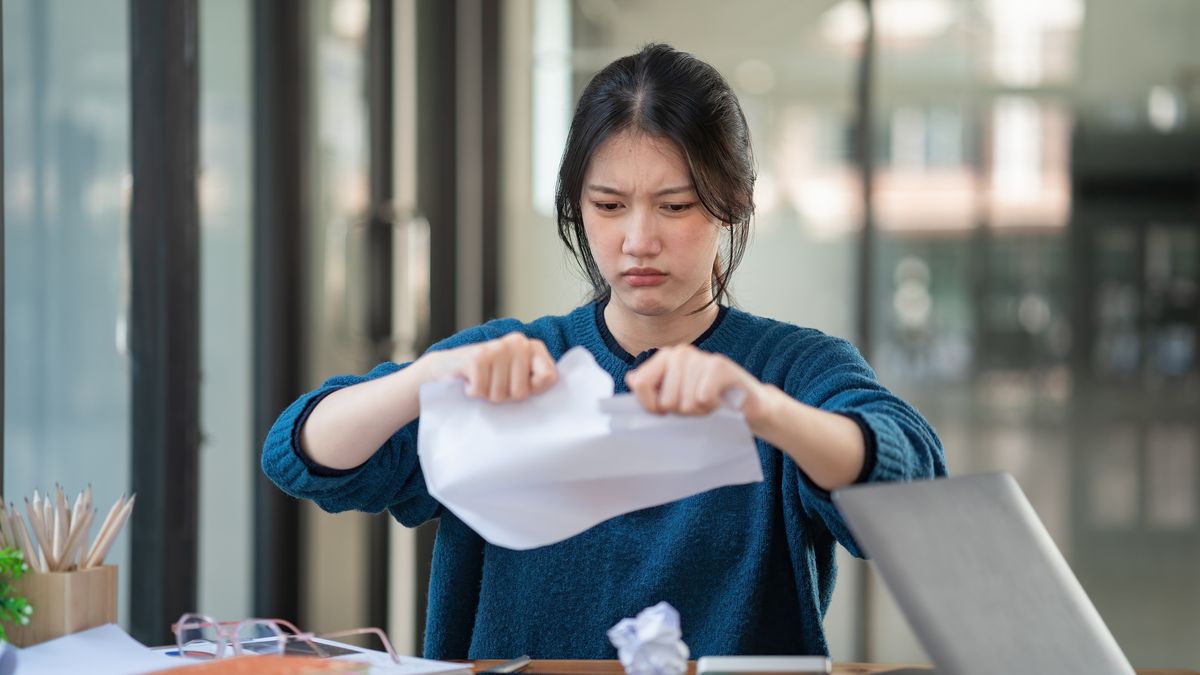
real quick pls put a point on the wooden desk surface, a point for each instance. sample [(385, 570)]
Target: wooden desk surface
[(550, 667)]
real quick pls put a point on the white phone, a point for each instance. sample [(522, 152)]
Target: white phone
[(776, 665)]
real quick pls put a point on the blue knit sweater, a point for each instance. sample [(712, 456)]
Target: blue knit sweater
[(750, 567)]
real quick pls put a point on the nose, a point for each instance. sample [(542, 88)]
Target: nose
[(641, 236)]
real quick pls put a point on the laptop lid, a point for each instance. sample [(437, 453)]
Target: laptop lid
[(978, 577)]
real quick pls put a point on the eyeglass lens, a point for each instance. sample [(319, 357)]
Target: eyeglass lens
[(200, 638), (260, 637)]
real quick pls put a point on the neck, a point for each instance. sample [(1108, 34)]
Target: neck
[(638, 332)]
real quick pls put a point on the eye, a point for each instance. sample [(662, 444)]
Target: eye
[(607, 206), (678, 208)]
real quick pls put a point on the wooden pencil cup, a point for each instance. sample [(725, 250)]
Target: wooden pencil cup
[(65, 603)]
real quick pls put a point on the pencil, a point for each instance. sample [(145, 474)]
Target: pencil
[(87, 498), (73, 536), (126, 512), (12, 515), (46, 509), (59, 535), (46, 514), (83, 541), (79, 533), (5, 541), (111, 535), (62, 524), (32, 560), (36, 523), (76, 511), (104, 528)]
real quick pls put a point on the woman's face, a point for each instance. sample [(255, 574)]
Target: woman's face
[(654, 243)]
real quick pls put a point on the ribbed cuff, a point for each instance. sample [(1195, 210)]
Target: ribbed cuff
[(870, 452), (312, 465), (893, 450), (870, 445)]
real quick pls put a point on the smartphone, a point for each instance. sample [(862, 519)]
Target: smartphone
[(773, 665)]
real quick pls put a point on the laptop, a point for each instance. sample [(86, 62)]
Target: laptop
[(978, 577)]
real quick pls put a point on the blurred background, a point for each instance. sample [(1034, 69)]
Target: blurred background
[(212, 205)]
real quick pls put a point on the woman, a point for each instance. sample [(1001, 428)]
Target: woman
[(655, 201)]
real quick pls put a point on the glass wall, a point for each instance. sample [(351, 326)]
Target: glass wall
[(1036, 292), (227, 449), (66, 252), (1036, 285), (337, 295)]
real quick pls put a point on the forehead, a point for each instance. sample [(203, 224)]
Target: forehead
[(633, 159)]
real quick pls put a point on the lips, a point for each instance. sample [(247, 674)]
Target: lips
[(644, 276)]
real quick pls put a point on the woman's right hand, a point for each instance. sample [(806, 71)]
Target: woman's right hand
[(510, 368), (351, 424)]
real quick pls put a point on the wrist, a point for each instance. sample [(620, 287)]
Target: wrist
[(425, 368), (762, 413)]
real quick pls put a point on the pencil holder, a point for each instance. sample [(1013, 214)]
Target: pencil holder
[(65, 603)]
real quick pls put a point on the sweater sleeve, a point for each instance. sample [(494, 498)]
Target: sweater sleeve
[(391, 479), (829, 373)]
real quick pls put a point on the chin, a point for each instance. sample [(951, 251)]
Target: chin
[(645, 304)]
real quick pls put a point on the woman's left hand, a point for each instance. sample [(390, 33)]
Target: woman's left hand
[(688, 381), (829, 447)]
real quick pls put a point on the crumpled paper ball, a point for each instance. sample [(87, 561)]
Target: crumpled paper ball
[(651, 644)]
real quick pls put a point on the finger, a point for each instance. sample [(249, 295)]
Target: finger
[(689, 372), (670, 391), (500, 369), (695, 373), (644, 382), (545, 372), (519, 373), (477, 370), (707, 392)]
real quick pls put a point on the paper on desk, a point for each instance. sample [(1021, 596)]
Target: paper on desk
[(96, 651), (533, 473)]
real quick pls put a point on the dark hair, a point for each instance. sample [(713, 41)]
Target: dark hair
[(672, 95)]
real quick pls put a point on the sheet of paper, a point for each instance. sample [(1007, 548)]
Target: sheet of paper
[(535, 472), (98, 651)]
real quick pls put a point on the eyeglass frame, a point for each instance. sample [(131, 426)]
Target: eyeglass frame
[(220, 628)]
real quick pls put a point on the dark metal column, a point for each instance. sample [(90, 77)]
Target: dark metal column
[(164, 314), (436, 198), (864, 136), (280, 227), (458, 80), (380, 96), (489, 120), (865, 158), (437, 147)]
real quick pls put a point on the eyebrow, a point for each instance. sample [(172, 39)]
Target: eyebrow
[(605, 189)]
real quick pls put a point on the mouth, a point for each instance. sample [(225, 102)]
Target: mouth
[(644, 276)]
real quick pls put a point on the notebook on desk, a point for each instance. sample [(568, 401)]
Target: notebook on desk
[(978, 577)]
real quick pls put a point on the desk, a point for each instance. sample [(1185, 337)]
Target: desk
[(614, 668)]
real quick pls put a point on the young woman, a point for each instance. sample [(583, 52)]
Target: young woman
[(655, 202)]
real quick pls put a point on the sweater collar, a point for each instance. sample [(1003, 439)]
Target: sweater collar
[(634, 361)]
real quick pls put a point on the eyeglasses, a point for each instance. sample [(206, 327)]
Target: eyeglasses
[(201, 636)]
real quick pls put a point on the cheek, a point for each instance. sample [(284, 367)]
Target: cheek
[(604, 243), (701, 241)]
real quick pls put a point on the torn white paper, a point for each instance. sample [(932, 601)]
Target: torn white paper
[(652, 643), (532, 473)]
